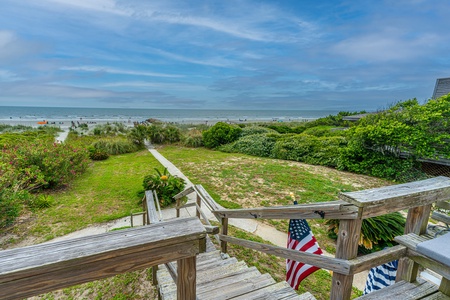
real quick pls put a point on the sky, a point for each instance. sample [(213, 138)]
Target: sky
[(227, 54)]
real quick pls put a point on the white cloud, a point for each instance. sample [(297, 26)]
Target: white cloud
[(110, 70), (157, 85), (7, 76)]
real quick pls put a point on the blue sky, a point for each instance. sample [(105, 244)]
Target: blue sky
[(325, 55)]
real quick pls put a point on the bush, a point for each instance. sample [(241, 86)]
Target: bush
[(193, 139), (257, 145), (221, 134), (10, 207), (376, 233), (115, 145), (309, 149), (165, 185), (251, 130), (355, 158), (39, 164), (96, 154)]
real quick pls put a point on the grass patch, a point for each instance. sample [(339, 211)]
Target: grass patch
[(239, 180), (105, 192)]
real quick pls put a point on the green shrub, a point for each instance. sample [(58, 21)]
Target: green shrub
[(193, 138), (39, 164), (96, 154), (358, 159), (10, 207), (165, 185), (376, 233), (256, 144), (320, 131), (251, 130), (309, 149), (221, 134), (115, 145)]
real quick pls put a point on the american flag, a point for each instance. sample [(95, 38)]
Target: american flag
[(300, 238)]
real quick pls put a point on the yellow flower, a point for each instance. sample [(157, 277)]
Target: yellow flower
[(292, 195), (164, 178)]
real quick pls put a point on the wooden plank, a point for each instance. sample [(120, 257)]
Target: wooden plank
[(186, 284), (444, 287), (411, 241), (152, 216), (443, 205), (321, 261), (403, 291), (211, 229), (437, 296), (224, 232), (275, 291), (371, 260), (388, 199), (441, 217), (416, 222), (184, 193), (332, 210), (209, 201), (346, 248), (41, 268), (224, 289)]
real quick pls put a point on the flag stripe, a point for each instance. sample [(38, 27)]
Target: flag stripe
[(300, 238)]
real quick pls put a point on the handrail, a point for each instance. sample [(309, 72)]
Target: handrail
[(325, 210), (33, 270), (350, 210)]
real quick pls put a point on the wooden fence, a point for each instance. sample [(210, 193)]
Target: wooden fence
[(38, 269)]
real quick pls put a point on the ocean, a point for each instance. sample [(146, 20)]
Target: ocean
[(26, 115)]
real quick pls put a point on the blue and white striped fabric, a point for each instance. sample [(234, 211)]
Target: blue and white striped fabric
[(381, 276)]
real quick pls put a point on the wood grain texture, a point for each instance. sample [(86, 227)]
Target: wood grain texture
[(403, 291), (223, 232), (45, 267), (388, 199), (186, 284), (184, 193), (346, 248), (371, 260), (331, 210), (321, 261), (152, 214)]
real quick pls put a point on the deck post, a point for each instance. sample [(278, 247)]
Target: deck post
[(346, 248), (224, 231), (199, 203), (186, 279), (416, 222), (178, 207)]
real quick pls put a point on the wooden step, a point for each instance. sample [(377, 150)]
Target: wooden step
[(222, 277), (403, 290)]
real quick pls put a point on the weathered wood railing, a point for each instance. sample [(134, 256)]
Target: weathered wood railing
[(353, 207), (37, 269)]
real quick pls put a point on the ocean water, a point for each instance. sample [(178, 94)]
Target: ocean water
[(31, 114)]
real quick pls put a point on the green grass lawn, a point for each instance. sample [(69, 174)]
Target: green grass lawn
[(106, 191)]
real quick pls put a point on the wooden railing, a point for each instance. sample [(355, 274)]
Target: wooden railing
[(38, 269), (351, 209)]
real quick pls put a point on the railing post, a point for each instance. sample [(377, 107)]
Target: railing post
[(186, 279), (416, 222), (346, 248), (178, 207), (199, 203), (224, 231)]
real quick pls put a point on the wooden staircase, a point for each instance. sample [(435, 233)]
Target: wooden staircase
[(220, 276)]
